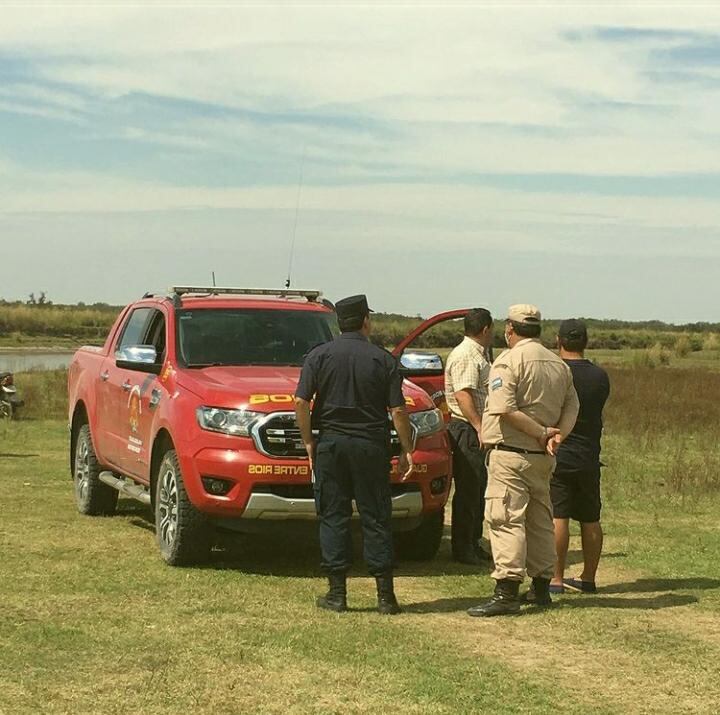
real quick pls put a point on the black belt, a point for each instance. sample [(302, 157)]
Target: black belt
[(518, 450)]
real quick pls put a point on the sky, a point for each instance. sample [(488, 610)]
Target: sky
[(432, 157)]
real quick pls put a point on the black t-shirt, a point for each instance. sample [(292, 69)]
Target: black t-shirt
[(581, 449), (353, 383)]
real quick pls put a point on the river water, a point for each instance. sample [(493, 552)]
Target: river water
[(17, 361)]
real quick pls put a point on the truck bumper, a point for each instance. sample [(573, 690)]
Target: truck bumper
[(272, 506), (263, 488)]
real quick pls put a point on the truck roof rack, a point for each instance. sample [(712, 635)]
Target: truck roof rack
[(310, 295)]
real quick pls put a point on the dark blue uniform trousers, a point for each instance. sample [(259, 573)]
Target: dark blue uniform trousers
[(348, 468)]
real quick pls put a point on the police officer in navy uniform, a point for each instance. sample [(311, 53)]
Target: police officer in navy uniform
[(352, 385)]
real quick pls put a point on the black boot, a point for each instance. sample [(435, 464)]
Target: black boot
[(504, 602), (539, 593), (387, 603), (336, 597)]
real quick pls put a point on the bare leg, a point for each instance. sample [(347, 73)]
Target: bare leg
[(562, 541), (592, 541)]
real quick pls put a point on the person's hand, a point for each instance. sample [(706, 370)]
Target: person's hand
[(405, 465), (553, 443), (310, 449), (548, 436)]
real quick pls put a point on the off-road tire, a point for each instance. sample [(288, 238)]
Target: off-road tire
[(423, 542), (184, 534), (6, 411), (92, 497)]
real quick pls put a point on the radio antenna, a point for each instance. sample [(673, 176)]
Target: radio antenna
[(297, 212), (213, 277)]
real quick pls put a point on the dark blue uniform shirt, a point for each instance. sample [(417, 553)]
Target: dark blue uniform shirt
[(581, 449), (353, 383)]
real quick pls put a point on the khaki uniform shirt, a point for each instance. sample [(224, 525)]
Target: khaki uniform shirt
[(528, 378), (466, 369)]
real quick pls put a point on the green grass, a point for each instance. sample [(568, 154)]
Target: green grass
[(56, 321), (21, 342), (93, 621)]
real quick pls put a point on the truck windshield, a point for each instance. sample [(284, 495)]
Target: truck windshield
[(222, 336)]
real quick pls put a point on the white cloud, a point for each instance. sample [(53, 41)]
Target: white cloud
[(413, 68), (432, 94)]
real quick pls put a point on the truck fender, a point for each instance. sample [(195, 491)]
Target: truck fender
[(161, 444), (79, 418)]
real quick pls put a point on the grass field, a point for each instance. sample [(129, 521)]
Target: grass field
[(93, 622)]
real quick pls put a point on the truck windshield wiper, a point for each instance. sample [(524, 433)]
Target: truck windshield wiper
[(206, 364)]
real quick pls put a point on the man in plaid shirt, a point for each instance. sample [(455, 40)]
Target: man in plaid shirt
[(466, 378)]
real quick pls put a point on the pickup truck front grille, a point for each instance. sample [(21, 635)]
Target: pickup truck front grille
[(277, 435)]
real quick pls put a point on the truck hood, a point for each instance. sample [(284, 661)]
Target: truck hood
[(261, 388), (264, 388)]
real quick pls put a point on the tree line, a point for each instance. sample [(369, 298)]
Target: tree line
[(40, 316)]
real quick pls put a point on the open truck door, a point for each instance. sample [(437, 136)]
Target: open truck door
[(424, 367)]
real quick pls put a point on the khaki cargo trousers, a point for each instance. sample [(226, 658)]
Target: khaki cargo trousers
[(519, 515)]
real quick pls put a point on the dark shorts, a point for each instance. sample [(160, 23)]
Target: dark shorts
[(576, 495)]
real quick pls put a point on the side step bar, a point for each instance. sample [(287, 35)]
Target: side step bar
[(125, 487)]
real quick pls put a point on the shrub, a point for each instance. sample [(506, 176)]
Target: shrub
[(642, 359), (655, 356), (659, 354), (44, 393), (711, 342), (682, 346)]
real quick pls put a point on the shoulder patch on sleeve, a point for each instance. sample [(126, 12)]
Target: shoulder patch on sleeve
[(496, 384)]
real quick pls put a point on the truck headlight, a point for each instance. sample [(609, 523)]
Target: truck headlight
[(427, 422), (236, 422)]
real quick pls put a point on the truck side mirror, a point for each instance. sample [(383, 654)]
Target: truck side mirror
[(415, 363), (142, 358)]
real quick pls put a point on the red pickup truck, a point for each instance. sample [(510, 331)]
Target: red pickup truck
[(188, 407)]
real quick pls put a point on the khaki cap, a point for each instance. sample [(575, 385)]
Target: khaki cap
[(524, 313)]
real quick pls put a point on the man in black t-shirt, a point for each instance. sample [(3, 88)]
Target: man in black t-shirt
[(352, 384), (575, 485)]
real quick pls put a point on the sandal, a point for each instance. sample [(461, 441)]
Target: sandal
[(576, 584)]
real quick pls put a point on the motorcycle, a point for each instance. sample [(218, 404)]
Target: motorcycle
[(9, 400)]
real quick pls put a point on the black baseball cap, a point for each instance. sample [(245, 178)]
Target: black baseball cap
[(354, 306), (573, 328)]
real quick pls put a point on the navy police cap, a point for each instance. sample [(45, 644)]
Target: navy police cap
[(353, 307)]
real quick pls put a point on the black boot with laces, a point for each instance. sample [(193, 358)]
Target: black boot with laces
[(336, 597), (504, 602), (387, 603)]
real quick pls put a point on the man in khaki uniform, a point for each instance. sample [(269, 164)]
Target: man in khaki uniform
[(531, 407)]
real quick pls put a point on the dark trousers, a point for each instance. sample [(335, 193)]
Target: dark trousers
[(470, 476), (348, 468)]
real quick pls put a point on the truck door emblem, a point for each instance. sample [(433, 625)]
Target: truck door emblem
[(135, 408)]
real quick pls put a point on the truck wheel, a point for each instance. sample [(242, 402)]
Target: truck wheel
[(92, 496), (183, 533), (423, 542)]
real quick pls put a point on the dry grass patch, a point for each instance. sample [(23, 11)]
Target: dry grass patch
[(612, 649)]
